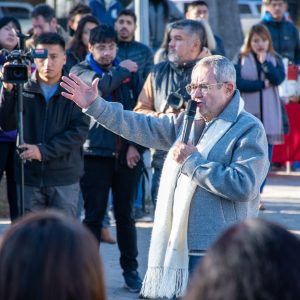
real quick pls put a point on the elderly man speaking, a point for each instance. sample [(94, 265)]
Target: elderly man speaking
[(207, 184)]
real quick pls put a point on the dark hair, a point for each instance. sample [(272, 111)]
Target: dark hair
[(263, 32), (48, 256), (103, 34), (79, 9), (50, 38), (192, 27), (44, 10), (127, 12), (76, 43), (6, 20), (268, 2), (255, 259), (196, 3)]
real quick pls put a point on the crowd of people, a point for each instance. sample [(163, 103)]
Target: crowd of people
[(90, 111)]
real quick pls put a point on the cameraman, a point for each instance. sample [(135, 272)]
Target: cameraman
[(9, 41), (167, 80), (54, 131)]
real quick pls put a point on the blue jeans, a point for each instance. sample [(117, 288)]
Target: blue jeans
[(194, 261), (270, 153)]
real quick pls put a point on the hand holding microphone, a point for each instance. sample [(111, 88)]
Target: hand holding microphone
[(182, 149)]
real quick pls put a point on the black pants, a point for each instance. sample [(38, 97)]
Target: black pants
[(101, 174), (7, 153)]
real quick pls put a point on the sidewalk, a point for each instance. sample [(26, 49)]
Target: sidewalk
[(282, 201), (281, 198)]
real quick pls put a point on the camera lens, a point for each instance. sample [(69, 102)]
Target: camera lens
[(18, 73), (175, 100)]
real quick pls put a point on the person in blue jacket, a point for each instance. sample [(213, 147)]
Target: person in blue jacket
[(106, 11)]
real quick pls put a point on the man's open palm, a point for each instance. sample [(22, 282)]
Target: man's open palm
[(78, 91)]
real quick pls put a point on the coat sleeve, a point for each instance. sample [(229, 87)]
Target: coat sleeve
[(8, 110), (112, 80), (297, 48), (73, 136), (275, 74)]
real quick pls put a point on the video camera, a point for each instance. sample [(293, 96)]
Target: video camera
[(16, 71), (178, 99)]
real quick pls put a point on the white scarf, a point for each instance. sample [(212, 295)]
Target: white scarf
[(167, 273)]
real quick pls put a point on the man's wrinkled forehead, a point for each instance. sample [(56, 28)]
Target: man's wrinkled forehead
[(202, 74), (178, 33)]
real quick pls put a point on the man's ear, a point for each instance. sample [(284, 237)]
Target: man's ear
[(196, 45), (230, 88)]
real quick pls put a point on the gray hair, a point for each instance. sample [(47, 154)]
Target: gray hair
[(192, 28), (223, 68)]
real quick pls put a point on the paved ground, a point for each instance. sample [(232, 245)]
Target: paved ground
[(281, 199)]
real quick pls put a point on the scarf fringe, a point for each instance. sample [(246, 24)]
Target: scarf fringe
[(164, 282)]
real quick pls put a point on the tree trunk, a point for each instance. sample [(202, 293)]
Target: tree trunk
[(225, 22)]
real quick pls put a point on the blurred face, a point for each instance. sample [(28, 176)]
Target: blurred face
[(104, 53), (277, 8), (40, 25), (74, 22), (199, 12), (8, 37), (86, 32), (181, 47), (125, 28), (259, 44), (50, 68), (211, 96)]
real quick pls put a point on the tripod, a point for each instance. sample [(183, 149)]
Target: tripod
[(20, 141)]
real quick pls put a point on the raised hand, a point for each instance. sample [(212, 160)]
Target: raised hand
[(78, 91)]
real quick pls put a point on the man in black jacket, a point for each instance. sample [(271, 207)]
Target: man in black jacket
[(109, 160), (128, 48), (164, 89), (54, 132), (285, 35)]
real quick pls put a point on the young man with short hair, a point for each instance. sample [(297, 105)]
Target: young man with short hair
[(54, 132), (198, 10), (285, 35), (128, 48), (109, 160)]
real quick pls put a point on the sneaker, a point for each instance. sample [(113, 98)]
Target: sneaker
[(141, 216), (133, 281)]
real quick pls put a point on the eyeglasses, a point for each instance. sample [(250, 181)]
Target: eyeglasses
[(204, 88)]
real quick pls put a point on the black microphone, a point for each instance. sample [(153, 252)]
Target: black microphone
[(188, 120)]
